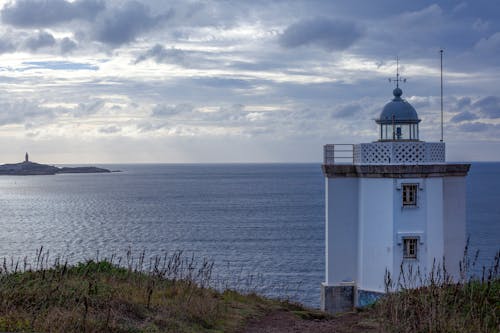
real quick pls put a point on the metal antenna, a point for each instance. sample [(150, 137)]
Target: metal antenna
[(441, 52), (398, 77), (397, 72)]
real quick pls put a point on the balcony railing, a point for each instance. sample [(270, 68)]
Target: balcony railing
[(401, 153), (338, 153), (385, 153)]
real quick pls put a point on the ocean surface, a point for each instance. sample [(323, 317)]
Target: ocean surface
[(261, 224)]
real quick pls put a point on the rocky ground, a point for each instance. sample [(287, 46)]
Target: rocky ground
[(290, 322)]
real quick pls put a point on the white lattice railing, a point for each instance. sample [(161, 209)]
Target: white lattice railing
[(399, 153)]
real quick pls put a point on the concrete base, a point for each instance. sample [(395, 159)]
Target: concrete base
[(335, 299), (365, 298)]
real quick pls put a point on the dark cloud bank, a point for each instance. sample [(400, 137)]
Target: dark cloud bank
[(29, 13), (113, 26), (484, 108), (329, 34)]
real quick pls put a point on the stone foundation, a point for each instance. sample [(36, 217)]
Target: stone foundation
[(345, 297), (335, 299), (365, 297)]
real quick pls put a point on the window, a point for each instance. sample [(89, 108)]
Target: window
[(410, 248), (391, 132), (409, 195)]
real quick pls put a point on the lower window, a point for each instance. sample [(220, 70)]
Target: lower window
[(410, 247)]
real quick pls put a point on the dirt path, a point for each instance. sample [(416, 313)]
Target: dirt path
[(288, 322)]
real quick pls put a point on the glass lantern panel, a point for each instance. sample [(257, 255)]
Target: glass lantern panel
[(398, 132)]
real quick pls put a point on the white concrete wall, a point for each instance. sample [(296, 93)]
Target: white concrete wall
[(375, 232), (454, 223), (435, 238), (366, 222), (410, 222), (341, 229)]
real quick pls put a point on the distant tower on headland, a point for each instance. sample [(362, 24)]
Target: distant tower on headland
[(26, 158), (391, 203)]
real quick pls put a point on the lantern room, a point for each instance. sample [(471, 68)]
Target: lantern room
[(398, 120)]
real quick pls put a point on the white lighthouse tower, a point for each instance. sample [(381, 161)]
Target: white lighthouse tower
[(389, 203)]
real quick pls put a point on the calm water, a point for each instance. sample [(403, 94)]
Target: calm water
[(251, 219)]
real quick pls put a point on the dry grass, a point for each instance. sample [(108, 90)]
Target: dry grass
[(168, 294), (442, 305), (176, 293)]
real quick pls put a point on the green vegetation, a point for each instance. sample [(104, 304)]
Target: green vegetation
[(172, 295), (176, 294), (471, 305)]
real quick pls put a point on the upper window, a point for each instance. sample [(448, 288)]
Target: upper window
[(410, 248), (409, 194)]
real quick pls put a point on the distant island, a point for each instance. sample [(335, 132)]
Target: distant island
[(27, 167)]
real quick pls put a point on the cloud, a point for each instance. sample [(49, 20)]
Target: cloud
[(468, 110), (419, 102), (229, 114), (329, 34), (32, 113), (109, 129), (185, 58), (221, 54), (15, 40), (489, 107), (23, 111), (188, 118), (464, 116), (67, 45), (39, 13), (459, 7), (476, 127), (266, 65), (113, 26), (489, 44), (222, 82), (86, 109), (463, 102), (220, 116), (59, 65), (6, 45), (432, 13), (169, 110), (147, 126), (347, 111), (162, 55), (42, 39), (481, 25), (124, 24)]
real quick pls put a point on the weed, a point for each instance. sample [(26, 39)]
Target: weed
[(437, 303), (171, 293)]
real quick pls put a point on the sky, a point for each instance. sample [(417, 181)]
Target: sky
[(94, 81)]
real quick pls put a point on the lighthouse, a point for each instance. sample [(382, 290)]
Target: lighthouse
[(391, 204)]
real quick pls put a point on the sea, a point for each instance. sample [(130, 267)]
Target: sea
[(262, 225)]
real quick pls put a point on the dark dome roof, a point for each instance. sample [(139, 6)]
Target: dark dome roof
[(401, 110)]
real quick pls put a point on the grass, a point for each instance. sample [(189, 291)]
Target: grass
[(442, 304), (172, 294), (176, 293)]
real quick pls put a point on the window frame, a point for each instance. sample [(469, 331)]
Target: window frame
[(407, 246), (406, 194)]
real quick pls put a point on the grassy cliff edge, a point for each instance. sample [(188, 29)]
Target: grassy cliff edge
[(98, 296), (176, 294)]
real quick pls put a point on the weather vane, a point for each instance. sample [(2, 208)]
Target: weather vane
[(398, 77)]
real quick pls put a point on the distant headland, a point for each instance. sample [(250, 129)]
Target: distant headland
[(27, 167)]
